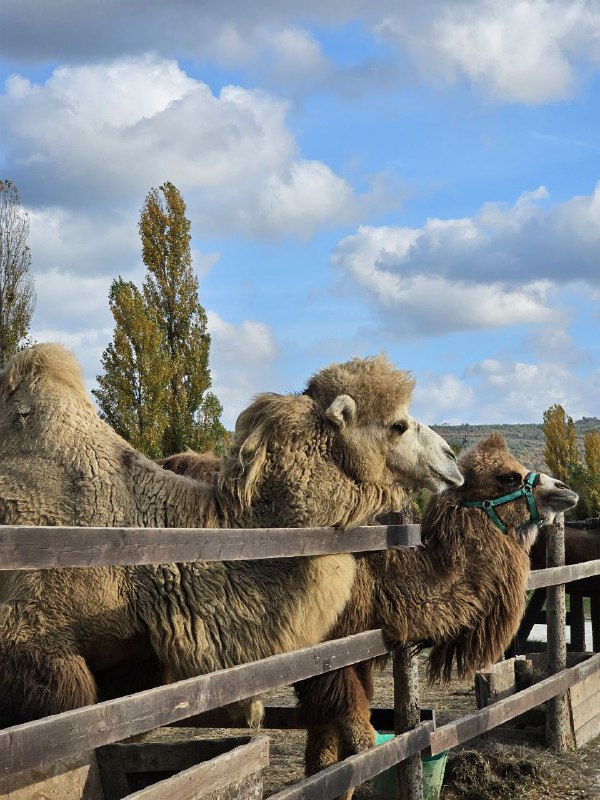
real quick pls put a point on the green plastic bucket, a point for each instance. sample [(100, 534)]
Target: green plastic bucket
[(385, 784)]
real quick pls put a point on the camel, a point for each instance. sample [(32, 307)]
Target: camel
[(462, 593), (336, 454)]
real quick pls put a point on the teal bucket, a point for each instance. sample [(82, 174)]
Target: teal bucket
[(385, 784)]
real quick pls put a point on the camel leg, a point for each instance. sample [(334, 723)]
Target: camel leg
[(35, 684), (337, 709), (249, 712), (323, 748)]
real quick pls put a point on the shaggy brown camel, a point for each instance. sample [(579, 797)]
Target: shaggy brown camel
[(335, 455), (462, 592)]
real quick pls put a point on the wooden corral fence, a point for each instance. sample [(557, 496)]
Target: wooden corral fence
[(32, 745)]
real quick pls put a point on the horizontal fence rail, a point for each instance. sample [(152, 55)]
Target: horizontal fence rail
[(33, 744), (37, 547), (554, 576), (357, 769), (461, 730)]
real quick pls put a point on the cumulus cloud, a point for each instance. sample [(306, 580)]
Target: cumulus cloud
[(242, 362), (526, 51), (497, 268), (102, 134), (504, 391)]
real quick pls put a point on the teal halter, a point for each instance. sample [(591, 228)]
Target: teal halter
[(525, 491)]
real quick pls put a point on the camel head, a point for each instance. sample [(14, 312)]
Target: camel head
[(366, 401), (517, 500), (341, 452), (478, 536)]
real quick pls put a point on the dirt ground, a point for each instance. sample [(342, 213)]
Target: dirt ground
[(491, 771)]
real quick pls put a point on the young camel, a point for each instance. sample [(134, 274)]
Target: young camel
[(336, 454), (462, 593)]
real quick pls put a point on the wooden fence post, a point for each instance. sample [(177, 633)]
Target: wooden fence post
[(407, 717), (556, 709)]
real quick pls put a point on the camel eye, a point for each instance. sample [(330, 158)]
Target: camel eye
[(399, 427), (510, 479)]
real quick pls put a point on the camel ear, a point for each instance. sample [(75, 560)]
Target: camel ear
[(342, 411)]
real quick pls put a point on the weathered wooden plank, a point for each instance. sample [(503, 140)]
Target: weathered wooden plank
[(172, 756), (588, 731), (553, 576), (406, 718), (37, 547), (36, 743), (203, 779), (485, 719), (112, 773), (557, 711), (496, 683), (587, 710), (354, 770), (583, 691)]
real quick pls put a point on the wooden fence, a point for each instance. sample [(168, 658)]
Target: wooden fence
[(46, 740)]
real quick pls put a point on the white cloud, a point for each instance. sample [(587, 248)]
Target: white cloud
[(103, 134), (528, 51), (494, 269), (66, 301), (69, 241), (242, 363), (444, 398), (524, 51), (498, 390), (518, 391)]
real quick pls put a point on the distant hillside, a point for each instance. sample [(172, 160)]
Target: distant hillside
[(526, 441)]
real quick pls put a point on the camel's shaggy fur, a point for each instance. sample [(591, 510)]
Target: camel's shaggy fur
[(296, 461), (462, 593), (203, 467)]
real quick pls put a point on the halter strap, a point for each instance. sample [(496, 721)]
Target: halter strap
[(525, 491)]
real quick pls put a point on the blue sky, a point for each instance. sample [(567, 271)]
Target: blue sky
[(420, 179)]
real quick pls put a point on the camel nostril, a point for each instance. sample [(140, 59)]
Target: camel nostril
[(451, 455), (562, 486)]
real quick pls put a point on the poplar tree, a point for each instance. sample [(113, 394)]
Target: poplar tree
[(155, 390), (17, 293), (132, 392), (560, 452), (562, 457)]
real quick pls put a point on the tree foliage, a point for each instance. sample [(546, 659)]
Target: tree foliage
[(132, 392), (17, 292), (562, 457), (560, 451), (155, 389)]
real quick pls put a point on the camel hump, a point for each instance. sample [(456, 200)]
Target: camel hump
[(40, 363)]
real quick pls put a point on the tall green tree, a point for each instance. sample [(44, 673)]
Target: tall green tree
[(562, 457), (155, 389), (560, 451), (133, 391), (17, 292)]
